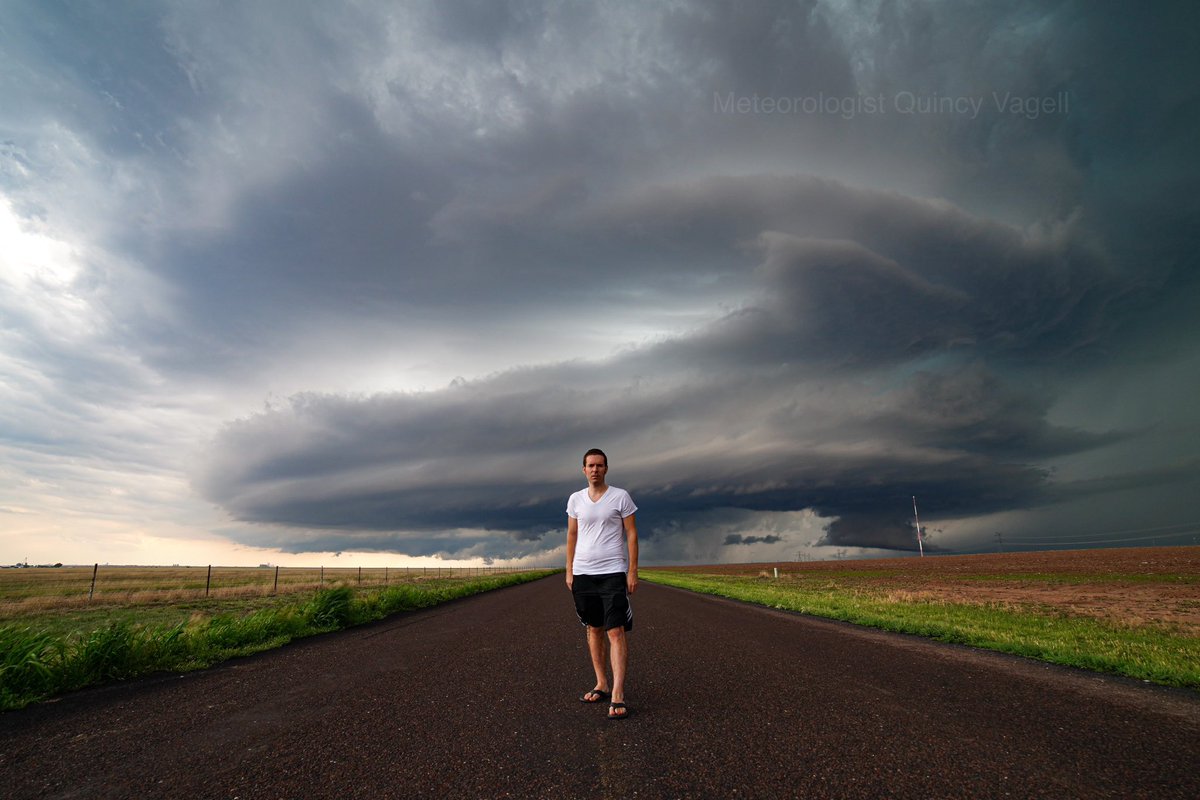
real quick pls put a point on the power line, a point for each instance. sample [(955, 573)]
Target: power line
[(1187, 527), (1170, 534), (1046, 542), (1142, 538), (1173, 540)]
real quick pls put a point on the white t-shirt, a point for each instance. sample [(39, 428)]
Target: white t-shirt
[(601, 547)]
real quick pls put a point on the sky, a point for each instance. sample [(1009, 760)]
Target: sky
[(359, 283)]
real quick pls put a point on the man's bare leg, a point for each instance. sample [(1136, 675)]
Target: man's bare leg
[(619, 650), (598, 648)]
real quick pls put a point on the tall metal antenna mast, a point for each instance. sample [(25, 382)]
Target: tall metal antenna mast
[(918, 521)]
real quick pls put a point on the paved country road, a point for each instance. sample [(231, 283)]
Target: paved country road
[(477, 698)]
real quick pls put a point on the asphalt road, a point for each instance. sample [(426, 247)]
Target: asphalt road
[(477, 698)]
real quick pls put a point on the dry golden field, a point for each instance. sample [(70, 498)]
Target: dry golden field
[(41, 589)]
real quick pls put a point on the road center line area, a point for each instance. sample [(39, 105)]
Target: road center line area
[(479, 698)]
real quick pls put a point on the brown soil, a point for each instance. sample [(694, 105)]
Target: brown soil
[(1128, 585)]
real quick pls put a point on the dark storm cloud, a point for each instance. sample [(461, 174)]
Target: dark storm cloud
[(912, 274), (973, 408), (448, 198), (991, 284), (763, 410), (905, 298), (500, 459), (460, 209)]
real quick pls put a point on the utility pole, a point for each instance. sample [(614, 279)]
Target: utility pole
[(1000, 541), (917, 519)]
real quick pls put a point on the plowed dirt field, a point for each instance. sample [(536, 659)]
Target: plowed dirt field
[(1128, 585)]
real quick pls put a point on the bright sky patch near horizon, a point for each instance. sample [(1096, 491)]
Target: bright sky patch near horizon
[(280, 281)]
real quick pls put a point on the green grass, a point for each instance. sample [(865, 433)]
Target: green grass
[(85, 649), (1153, 652), (85, 619)]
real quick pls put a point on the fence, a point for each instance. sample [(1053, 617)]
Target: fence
[(51, 586)]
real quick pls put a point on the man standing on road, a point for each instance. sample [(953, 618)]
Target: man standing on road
[(602, 557)]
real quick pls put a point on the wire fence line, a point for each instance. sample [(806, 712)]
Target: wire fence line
[(97, 583)]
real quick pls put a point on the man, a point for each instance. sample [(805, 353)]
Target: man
[(602, 557)]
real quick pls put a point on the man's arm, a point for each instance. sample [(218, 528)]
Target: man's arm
[(572, 538), (631, 539)]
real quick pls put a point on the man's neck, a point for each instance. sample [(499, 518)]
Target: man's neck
[(597, 489)]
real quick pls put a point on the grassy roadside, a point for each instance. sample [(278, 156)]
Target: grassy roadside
[(37, 662), (1148, 652)]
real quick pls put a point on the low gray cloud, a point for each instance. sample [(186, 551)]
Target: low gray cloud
[(737, 538)]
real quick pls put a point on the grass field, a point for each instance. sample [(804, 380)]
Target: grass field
[(23, 590), (156, 619), (1132, 612)]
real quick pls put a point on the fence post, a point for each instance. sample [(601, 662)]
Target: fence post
[(321, 582), (92, 591), (208, 582), (276, 589), (360, 576), (385, 576)]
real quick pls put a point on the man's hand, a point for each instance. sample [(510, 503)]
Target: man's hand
[(570, 581), (631, 581)]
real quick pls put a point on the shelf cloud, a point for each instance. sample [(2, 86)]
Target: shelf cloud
[(369, 278)]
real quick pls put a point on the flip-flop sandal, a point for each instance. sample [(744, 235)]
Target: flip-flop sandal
[(583, 698), (612, 706)]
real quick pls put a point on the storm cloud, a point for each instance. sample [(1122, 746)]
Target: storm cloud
[(847, 384), (369, 278)]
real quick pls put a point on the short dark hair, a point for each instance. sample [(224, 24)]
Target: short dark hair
[(595, 451)]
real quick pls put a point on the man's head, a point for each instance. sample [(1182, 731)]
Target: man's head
[(595, 466)]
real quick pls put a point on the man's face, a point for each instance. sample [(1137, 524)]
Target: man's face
[(595, 469)]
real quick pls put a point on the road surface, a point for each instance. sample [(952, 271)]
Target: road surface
[(477, 698)]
